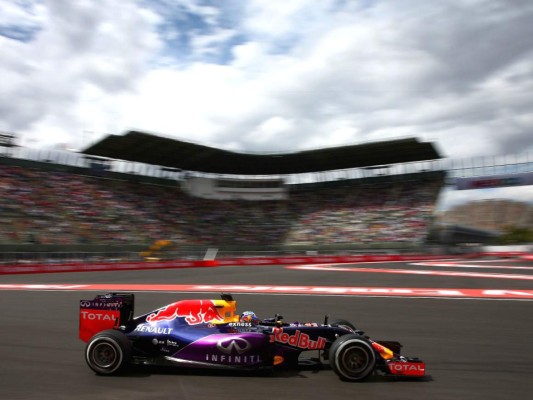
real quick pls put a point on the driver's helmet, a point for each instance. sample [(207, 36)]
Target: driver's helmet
[(249, 316)]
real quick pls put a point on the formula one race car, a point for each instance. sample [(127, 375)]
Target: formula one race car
[(210, 334)]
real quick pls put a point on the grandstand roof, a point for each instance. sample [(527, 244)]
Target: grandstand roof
[(157, 150)]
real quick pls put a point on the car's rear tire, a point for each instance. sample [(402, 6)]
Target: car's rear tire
[(108, 352), (352, 357)]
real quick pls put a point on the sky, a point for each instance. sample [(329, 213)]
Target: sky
[(272, 75)]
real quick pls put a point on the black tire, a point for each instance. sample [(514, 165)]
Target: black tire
[(352, 357), (108, 352), (342, 323)]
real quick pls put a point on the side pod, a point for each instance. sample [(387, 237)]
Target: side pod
[(107, 311)]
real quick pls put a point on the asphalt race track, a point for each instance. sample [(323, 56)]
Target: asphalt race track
[(474, 348)]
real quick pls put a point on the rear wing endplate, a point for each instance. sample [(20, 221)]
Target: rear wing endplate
[(107, 311)]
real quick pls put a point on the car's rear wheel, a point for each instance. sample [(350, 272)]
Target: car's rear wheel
[(108, 352), (352, 357)]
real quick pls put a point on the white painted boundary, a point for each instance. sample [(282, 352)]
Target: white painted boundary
[(432, 293)]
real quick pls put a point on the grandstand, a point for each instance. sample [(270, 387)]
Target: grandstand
[(379, 195), (62, 208), (53, 206)]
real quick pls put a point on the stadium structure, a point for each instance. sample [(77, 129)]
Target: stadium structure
[(140, 192)]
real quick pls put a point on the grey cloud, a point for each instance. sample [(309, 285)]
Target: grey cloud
[(471, 43), (79, 45), (516, 142), (426, 69)]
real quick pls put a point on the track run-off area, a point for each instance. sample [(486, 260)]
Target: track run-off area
[(469, 320), (504, 266)]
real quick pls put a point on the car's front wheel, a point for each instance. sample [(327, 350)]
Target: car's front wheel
[(343, 324), (108, 352), (352, 357)]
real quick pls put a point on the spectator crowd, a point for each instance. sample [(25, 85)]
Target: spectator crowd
[(45, 207)]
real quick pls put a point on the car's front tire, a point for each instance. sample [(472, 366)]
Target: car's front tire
[(343, 324), (108, 352), (352, 357)]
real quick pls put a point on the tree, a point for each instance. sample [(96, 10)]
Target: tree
[(516, 235)]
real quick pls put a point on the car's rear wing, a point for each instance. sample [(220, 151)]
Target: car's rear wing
[(106, 311)]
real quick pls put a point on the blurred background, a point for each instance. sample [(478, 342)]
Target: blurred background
[(86, 205)]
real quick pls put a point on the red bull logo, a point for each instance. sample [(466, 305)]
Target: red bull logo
[(194, 311), (298, 339)]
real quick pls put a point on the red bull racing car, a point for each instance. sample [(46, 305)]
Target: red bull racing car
[(211, 334)]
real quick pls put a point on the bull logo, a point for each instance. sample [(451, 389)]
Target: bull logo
[(230, 345), (194, 311)]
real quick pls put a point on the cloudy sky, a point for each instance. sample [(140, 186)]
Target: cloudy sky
[(271, 75)]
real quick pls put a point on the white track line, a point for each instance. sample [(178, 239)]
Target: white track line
[(330, 267)]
